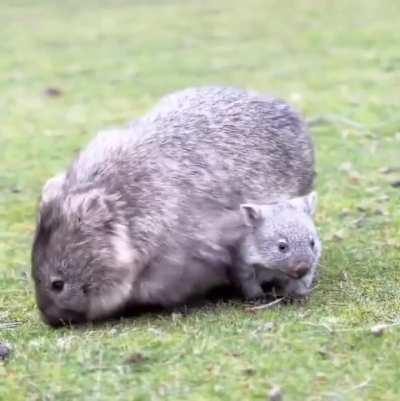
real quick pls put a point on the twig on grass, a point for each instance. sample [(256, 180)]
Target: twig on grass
[(9, 325), (323, 325), (359, 386), (265, 306), (374, 329)]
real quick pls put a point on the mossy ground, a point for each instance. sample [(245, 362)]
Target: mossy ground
[(107, 62)]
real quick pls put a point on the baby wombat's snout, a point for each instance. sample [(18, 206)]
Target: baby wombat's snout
[(299, 270)]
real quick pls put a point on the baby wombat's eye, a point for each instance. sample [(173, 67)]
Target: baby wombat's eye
[(57, 285), (312, 243), (283, 246)]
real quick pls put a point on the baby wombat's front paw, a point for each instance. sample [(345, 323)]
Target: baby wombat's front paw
[(253, 292), (297, 294), (295, 300), (298, 289)]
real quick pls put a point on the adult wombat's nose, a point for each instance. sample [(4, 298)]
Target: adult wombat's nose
[(298, 271), (56, 318)]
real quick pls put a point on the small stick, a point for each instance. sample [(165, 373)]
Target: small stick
[(265, 306), (9, 325), (359, 386)]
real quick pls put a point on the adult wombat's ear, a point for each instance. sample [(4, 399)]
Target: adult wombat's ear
[(91, 207), (95, 209), (52, 188), (52, 191), (307, 203), (252, 214)]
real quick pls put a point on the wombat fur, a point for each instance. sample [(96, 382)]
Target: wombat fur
[(195, 265), (133, 197), (282, 247)]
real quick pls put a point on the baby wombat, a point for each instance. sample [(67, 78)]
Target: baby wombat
[(282, 247), (114, 222)]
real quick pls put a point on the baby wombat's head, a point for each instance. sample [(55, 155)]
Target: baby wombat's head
[(81, 257), (284, 242)]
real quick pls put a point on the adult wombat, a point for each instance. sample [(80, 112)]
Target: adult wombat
[(108, 226)]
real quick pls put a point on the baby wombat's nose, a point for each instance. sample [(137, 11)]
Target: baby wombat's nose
[(298, 271)]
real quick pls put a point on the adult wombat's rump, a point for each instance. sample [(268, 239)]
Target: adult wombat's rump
[(133, 195)]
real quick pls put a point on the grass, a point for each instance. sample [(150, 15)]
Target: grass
[(110, 61)]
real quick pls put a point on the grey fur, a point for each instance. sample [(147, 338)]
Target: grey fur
[(283, 247), (133, 196), (196, 263)]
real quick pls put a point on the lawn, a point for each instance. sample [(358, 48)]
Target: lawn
[(69, 68)]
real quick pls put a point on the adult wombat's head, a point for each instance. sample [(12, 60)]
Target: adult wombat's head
[(82, 259)]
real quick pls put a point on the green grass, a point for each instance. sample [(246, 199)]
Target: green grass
[(337, 61)]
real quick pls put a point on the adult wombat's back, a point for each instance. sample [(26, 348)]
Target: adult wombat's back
[(228, 139), (209, 140)]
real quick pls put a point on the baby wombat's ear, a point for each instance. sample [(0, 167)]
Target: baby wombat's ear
[(252, 213), (52, 188), (307, 203)]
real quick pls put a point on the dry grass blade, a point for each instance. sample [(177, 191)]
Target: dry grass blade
[(9, 325)]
